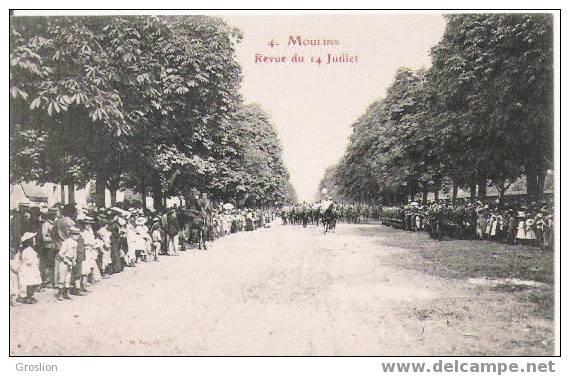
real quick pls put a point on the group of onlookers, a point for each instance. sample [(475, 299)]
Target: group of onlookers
[(516, 223), (69, 248)]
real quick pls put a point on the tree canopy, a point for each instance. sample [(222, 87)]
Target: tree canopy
[(149, 103), (481, 115)]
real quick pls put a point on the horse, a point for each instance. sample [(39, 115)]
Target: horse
[(329, 219), (197, 227)]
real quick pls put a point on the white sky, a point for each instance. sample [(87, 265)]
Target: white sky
[(313, 106)]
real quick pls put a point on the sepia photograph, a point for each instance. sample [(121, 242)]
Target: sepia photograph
[(355, 183)]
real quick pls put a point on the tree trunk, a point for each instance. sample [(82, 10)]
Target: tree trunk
[(113, 196), (62, 193), (62, 182), (425, 196), (482, 189), (541, 177), (157, 197), (436, 188), (100, 183), (531, 183), (454, 194), (71, 192), (502, 191), (143, 197), (473, 192)]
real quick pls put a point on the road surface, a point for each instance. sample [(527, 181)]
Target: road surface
[(285, 290)]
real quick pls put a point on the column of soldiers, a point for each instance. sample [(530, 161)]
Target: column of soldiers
[(71, 249), (311, 213), (516, 223)]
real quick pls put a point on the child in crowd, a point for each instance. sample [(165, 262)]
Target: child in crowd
[(521, 232), (132, 244), (156, 237), (530, 234), (142, 240), (104, 234), (15, 263), (66, 259), (29, 276)]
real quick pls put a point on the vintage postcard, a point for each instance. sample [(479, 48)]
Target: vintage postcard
[(356, 183)]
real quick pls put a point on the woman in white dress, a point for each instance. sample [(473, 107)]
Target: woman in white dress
[(89, 266), (15, 263), (143, 240), (490, 220), (521, 230), (29, 275), (530, 234), (132, 244), (496, 226), (105, 249)]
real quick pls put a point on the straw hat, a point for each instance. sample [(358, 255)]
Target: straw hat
[(27, 236)]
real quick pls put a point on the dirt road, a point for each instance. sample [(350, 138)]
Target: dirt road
[(282, 291)]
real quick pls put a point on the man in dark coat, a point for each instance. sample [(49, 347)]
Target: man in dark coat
[(172, 231), (206, 208)]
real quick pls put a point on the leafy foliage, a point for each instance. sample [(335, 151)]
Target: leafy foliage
[(139, 101), (482, 114)]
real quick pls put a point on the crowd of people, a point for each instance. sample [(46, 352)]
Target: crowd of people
[(70, 248), (515, 223)]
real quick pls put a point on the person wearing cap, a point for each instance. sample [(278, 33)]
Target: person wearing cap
[(66, 258), (29, 274)]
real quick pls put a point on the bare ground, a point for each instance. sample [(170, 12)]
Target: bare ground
[(288, 291)]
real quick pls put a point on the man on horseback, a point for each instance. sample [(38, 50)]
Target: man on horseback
[(195, 218), (206, 211), (329, 215)]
